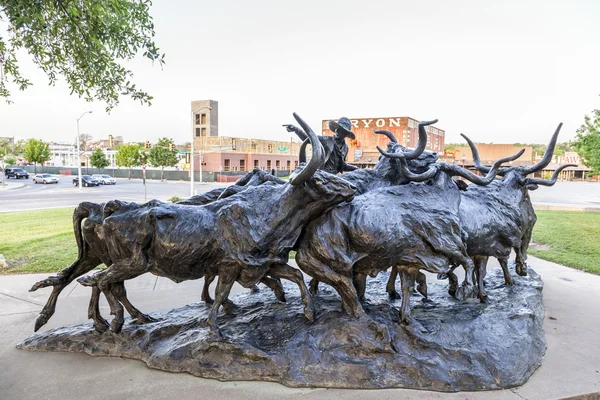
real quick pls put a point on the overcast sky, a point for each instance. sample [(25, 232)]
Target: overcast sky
[(501, 72)]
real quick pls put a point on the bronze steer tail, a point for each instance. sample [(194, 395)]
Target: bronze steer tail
[(81, 211)]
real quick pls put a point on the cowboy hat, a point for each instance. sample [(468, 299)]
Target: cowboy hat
[(343, 126)]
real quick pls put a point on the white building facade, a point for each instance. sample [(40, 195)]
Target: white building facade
[(62, 155)]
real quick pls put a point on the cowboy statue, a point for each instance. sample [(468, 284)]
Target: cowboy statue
[(335, 146)]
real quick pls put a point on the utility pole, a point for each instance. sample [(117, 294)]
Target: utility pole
[(79, 150)]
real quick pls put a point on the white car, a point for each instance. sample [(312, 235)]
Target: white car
[(105, 179), (45, 178)]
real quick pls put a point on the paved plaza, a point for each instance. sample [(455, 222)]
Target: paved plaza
[(571, 365)]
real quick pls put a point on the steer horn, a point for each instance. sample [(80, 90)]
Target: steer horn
[(525, 171), (481, 168), (552, 180), (456, 170), (411, 155), (302, 154), (318, 156), (389, 134), (547, 154), (450, 169)]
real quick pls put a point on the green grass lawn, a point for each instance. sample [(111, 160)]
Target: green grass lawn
[(37, 241), (570, 238), (43, 241)]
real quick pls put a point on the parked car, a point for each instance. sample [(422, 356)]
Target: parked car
[(45, 178), (17, 173), (86, 181), (105, 179)]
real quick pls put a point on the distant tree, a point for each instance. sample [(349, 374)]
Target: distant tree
[(17, 148), (587, 141), (128, 155), (36, 151), (86, 42), (161, 156), (4, 147), (10, 160), (98, 159)]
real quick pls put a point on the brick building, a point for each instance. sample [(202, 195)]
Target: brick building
[(488, 153), (231, 154), (363, 152), (228, 154)]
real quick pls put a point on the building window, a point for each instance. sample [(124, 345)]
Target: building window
[(255, 163), (203, 131), (268, 164), (197, 119), (289, 165), (278, 164), (296, 164), (227, 165), (203, 119), (197, 131), (242, 165)]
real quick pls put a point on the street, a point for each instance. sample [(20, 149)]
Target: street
[(568, 193), (64, 194)]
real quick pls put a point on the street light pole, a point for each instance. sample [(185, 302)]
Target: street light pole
[(192, 151), (79, 149)]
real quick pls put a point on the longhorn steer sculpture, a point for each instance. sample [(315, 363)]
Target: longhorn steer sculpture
[(92, 249), (387, 173), (411, 227), (500, 217), (241, 238)]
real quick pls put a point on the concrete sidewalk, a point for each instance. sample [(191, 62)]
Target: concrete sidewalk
[(571, 366), (10, 185)]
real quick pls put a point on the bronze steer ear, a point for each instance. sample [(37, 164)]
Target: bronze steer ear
[(462, 185)]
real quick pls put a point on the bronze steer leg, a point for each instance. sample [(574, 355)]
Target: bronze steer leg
[(466, 290), (103, 280), (480, 264), (504, 264), (100, 324), (227, 277), (284, 271), (408, 275), (273, 284), (59, 282), (118, 289), (520, 266), (422, 284), (360, 283), (314, 286), (390, 287), (276, 286), (205, 297)]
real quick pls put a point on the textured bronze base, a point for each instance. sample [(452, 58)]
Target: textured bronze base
[(450, 346)]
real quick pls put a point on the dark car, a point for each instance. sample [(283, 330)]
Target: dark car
[(16, 173), (86, 181)]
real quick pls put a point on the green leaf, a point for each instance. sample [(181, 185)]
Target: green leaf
[(83, 42)]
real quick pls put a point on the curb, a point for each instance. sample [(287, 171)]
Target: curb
[(559, 207), (11, 186)]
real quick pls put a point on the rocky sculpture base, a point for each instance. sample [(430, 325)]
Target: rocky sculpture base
[(450, 346)]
